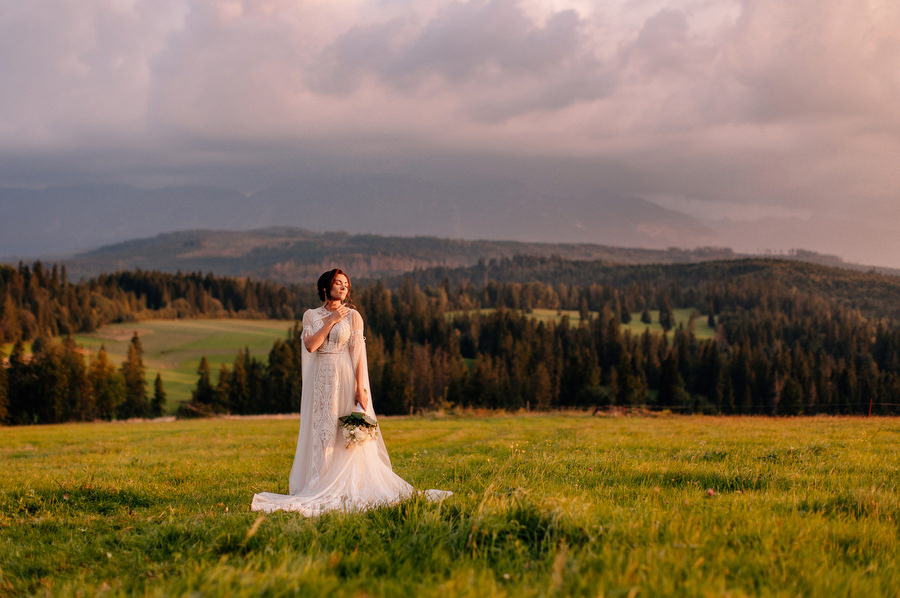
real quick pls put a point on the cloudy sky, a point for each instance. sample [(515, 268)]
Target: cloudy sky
[(777, 116)]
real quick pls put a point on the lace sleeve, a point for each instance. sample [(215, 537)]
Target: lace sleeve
[(311, 324), (357, 340)]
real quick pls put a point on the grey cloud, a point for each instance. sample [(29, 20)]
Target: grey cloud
[(662, 44), (807, 60), (493, 52), (75, 72)]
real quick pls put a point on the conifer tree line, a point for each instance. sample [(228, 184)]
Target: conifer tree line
[(776, 352), (779, 349), (57, 385), (39, 301)]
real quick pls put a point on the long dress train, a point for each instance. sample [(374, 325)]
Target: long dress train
[(326, 474)]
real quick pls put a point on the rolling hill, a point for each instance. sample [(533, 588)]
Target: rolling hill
[(294, 255)]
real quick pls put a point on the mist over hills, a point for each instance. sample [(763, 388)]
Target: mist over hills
[(80, 218)]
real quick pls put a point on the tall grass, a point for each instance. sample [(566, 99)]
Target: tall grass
[(543, 506)]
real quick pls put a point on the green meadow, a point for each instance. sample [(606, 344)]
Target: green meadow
[(544, 505), (173, 348)]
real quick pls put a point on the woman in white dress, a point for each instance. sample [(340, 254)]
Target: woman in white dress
[(327, 474)]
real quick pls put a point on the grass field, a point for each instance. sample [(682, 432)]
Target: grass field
[(173, 348), (551, 505)]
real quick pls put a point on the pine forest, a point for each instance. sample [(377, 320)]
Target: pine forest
[(788, 338)]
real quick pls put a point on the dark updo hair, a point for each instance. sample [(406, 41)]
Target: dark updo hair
[(325, 282)]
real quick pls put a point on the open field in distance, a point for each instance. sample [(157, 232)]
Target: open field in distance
[(173, 348), (548, 505)]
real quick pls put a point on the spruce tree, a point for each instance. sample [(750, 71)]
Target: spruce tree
[(20, 387), (239, 389), (135, 403), (671, 385), (278, 396), (791, 398), (666, 316), (203, 393), (223, 390), (4, 394), (80, 396), (645, 315), (624, 314), (158, 405), (107, 384)]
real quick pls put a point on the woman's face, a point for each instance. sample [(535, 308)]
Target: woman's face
[(340, 288)]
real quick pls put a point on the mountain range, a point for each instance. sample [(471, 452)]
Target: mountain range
[(71, 219), (294, 255), (275, 233)]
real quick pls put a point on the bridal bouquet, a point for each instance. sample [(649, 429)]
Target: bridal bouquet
[(358, 428)]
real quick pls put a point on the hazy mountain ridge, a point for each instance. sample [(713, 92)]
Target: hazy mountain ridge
[(78, 218), (291, 255), (294, 255)]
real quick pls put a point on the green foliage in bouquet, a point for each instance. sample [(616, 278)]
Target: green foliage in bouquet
[(358, 419)]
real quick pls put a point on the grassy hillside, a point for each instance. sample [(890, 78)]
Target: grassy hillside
[(173, 348), (555, 505)]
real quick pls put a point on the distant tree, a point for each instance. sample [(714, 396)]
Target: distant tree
[(40, 345), (239, 387), (624, 313), (4, 391), (20, 384), (222, 391), (631, 386), (791, 398), (645, 315), (666, 316), (135, 403), (107, 385), (203, 393), (584, 311), (158, 404), (671, 385), (279, 378), (79, 401), (256, 386), (541, 387)]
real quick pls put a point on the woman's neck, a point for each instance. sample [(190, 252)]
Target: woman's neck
[(332, 304)]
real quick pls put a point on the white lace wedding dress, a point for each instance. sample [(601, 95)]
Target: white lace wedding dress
[(327, 475)]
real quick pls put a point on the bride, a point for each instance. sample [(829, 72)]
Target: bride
[(328, 474)]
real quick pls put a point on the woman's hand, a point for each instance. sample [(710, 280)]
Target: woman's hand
[(315, 341), (337, 315), (362, 397)]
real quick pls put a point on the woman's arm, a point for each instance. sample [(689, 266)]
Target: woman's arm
[(315, 340)]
